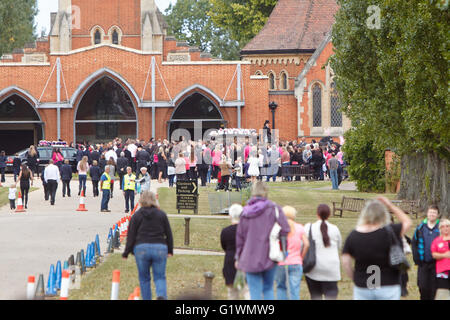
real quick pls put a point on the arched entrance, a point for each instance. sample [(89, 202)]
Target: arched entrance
[(105, 112), (195, 108), (20, 124)]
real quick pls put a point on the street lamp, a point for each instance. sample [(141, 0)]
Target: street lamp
[(273, 106)]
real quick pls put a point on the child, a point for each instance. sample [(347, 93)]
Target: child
[(16, 166), (238, 168), (12, 196)]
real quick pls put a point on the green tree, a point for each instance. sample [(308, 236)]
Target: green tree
[(394, 79), (16, 23), (243, 19), (188, 20)]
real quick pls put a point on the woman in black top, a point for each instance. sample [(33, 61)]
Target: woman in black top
[(162, 164), (150, 240), (368, 245), (25, 176), (228, 242), (32, 157)]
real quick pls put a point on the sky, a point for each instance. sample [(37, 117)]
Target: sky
[(47, 6)]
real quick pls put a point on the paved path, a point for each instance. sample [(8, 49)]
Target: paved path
[(30, 242)]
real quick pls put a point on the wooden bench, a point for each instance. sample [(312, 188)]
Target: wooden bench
[(297, 171), (348, 204), (410, 207)]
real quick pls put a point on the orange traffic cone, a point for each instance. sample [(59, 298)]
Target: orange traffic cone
[(131, 296), (137, 293), (20, 204), (82, 206)]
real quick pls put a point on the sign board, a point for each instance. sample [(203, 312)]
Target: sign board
[(187, 195)]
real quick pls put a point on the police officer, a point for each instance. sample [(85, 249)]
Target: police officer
[(129, 189), (105, 186)]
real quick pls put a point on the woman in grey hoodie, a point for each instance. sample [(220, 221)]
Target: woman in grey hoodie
[(252, 242)]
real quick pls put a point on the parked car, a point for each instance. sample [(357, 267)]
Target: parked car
[(45, 154)]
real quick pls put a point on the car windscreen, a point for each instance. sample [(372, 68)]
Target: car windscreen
[(68, 153)]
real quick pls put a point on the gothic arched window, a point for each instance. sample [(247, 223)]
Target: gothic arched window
[(317, 105), (284, 81), (271, 81), (97, 37), (336, 114), (115, 37)]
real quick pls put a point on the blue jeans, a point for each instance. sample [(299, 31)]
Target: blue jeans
[(382, 293), (260, 284), (284, 164), (171, 178), (334, 179), (105, 199), (208, 175), (295, 272), (151, 255), (82, 183)]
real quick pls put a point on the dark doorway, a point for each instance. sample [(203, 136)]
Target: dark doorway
[(195, 108), (20, 125), (105, 112)]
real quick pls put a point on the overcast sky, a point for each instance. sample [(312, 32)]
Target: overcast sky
[(47, 6)]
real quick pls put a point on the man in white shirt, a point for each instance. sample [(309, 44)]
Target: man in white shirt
[(111, 154), (52, 178)]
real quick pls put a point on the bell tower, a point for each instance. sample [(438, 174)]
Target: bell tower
[(152, 29), (60, 34)]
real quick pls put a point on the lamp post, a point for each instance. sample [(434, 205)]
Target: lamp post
[(273, 106)]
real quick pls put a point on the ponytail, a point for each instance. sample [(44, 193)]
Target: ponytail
[(323, 211)]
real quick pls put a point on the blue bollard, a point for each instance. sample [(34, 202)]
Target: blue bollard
[(51, 289), (97, 247), (83, 262), (87, 259), (58, 276), (93, 262), (66, 265)]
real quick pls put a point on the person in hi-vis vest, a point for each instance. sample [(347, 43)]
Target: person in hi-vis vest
[(105, 186), (129, 189)]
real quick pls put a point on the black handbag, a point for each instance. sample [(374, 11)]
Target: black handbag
[(397, 257), (309, 261)]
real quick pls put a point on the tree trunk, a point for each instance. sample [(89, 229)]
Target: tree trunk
[(425, 177)]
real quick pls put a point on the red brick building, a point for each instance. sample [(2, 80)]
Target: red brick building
[(108, 68)]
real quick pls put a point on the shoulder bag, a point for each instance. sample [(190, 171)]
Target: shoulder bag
[(309, 261), (275, 252), (397, 257)]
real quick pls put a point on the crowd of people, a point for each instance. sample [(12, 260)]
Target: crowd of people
[(366, 252), (134, 164)]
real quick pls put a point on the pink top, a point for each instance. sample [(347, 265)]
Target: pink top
[(294, 243), (187, 163), (192, 163), (56, 157), (328, 157), (246, 152), (339, 156), (440, 246), (217, 157)]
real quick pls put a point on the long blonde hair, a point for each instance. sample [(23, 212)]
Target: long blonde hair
[(83, 163), (290, 214), (32, 151)]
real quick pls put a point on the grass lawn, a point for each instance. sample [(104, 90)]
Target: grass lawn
[(185, 273), (4, 194)]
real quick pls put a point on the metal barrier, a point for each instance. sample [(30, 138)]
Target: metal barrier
[(220, 202)]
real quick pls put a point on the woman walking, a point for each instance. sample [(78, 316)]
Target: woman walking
[(252, 241), (162, 164), (150, 241), (228, 243), (369, 245), (32, 157), (25, 176), (82, 168), (291, 267), (322, 279)]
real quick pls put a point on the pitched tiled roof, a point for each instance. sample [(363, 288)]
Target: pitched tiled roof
[(294, 26)]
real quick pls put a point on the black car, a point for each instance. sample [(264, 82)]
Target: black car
[(45, 154)]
